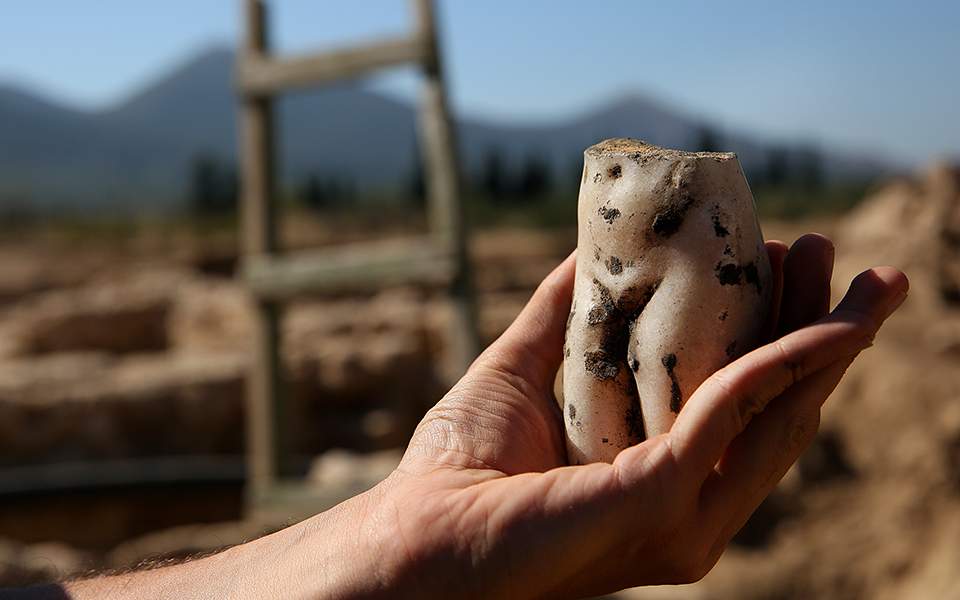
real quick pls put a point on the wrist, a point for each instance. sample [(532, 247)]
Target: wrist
[(335, 554)]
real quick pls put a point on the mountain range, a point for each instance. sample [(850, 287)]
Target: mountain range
[(136, 154)]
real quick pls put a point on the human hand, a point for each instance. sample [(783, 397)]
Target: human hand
[(484, 504)]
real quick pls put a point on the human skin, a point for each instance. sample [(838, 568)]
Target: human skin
[(485, 505)]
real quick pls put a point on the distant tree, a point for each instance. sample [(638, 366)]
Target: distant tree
[(16, 211), (315, 193), (416, 181), (534, 180), (708, 140), (346, 188), (777, 170), (809, 169), (320, 193), (213, 186), (575, 172), (493, 180)]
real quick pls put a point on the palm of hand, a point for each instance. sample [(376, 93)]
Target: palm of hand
[(496, 420), (485, 504), (487, 474)]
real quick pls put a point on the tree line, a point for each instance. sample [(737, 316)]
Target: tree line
[(213, 184), (497, 178)]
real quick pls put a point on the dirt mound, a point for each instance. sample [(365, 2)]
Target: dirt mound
[(151, 361), (913, 223)]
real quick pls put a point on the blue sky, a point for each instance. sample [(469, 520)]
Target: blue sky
[(873, 75)]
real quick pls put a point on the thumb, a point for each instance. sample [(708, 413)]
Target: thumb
[(533, 344)]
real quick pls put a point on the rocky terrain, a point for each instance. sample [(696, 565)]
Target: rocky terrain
[(109, 355)]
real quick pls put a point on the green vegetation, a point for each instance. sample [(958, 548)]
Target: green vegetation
[(793, 202), (790, 185), (213, 187)]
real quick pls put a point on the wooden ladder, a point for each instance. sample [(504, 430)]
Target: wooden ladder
[(441, 257)]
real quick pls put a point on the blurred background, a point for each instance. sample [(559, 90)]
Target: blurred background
[(125, 332)]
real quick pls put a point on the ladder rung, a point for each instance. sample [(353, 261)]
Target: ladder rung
[(351, 267), (259, 75)]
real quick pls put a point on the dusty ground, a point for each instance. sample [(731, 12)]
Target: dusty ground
[(106, 355)]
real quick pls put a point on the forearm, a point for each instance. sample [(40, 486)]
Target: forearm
[(222, 575), (325, 556)]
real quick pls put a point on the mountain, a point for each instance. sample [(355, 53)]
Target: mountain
[(137, 153)]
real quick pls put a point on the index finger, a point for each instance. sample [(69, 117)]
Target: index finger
[(722, 406)]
